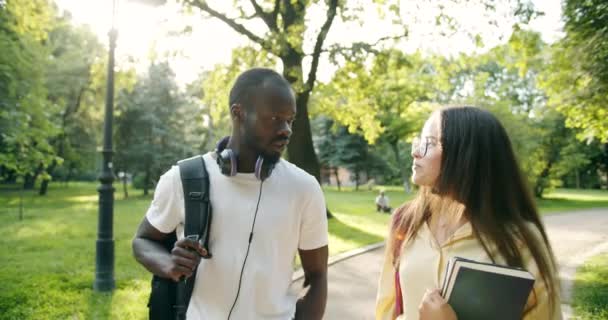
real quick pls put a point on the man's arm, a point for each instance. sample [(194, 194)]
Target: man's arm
[(148, 250), (314, 264)]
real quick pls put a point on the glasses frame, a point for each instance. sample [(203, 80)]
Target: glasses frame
[(423, 148)]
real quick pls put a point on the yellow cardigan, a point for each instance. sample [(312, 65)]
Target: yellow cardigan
[(423, 264)]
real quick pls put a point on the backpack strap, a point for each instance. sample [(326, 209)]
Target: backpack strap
[(195, 183)]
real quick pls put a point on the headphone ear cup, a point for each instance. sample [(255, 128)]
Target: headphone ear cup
[(226, 160), (259, 163), (262, 170)]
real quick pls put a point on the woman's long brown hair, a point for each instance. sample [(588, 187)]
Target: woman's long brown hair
[(479, 170)]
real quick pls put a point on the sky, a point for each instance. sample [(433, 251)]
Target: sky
[(142, 28)]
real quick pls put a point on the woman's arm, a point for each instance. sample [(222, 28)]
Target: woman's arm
[(385, 298)]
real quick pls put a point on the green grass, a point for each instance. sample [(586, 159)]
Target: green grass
[(356, 222), (591, 289), (47, 259), (571, 199)]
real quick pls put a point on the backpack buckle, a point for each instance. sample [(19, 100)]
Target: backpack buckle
[(195, 195)]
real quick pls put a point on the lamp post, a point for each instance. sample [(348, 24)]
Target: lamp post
[(104, 258)]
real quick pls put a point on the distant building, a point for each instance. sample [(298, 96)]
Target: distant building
[(346, 177)]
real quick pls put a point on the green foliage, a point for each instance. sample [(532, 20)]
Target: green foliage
[(388, 101), (591, 289), (577, 78), (24, 114), (152, 124), (74, 52), (507, 80), (337, 147), (212, 89)]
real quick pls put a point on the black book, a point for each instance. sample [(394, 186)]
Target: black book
[(481, 291)]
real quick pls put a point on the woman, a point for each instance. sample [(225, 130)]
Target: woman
[(473, 203)]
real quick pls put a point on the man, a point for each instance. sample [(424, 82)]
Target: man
[(382, 203), (258, 225)]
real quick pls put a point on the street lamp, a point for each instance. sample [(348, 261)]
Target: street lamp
[(104, 257)]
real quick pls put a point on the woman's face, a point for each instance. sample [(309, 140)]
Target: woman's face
[(426, 152)]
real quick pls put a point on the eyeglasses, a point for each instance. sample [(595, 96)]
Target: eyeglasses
[(421, 148)]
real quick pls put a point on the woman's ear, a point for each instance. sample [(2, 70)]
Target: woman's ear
[(236, 112)]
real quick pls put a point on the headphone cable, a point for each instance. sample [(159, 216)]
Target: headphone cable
[(247, 253)]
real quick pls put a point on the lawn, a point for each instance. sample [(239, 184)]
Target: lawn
[(591, 289), (571, 199), (47, 259)]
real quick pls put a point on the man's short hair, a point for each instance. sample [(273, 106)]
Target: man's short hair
[(252, 80)]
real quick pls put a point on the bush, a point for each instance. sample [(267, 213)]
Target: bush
[(138, 182)]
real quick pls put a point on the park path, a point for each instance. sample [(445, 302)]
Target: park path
[(575, 236)]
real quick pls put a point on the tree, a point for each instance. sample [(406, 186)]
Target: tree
[(577, 79), (386, 102), (74, 51), (150, 126), (25, 148), (285, 21), (211, 91), (324, 140), (507, 81), (287, 24)]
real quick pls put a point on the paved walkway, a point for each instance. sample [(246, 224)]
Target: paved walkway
[(575, 236)]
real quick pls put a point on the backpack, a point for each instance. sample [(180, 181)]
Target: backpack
[(169, 299)]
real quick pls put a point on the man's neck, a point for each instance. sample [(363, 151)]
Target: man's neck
[(246, 157)]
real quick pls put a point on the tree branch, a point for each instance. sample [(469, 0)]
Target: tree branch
[(269, 18), (275, 12), (364, 46), (201, 4), (312, 74)]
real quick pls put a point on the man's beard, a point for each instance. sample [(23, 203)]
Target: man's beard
[(269, 157)]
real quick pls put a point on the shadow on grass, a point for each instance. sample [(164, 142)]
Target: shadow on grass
[(349, 233), (100, 305)]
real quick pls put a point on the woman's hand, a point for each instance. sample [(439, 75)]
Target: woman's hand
[(434, 307)]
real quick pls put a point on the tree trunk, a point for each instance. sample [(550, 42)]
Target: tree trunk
[(10, 176), (357, 179), (605, 165), (578, 178), (395, 147), (68, 177), (337, 177), (28, 181), (300, 150), (21, 203), (539, 186), (124, 185), (44, 184), (146, 181)]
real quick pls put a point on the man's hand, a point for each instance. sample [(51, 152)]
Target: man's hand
[(185, 257), (312, 305), (149, 251), (434, 307)]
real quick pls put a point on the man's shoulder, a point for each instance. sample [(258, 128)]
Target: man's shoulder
[(208, 158), (295, 174)]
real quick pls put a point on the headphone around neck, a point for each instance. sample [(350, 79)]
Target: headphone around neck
[(227, 160)]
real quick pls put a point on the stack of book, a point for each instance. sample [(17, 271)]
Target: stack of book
[(482, 291)]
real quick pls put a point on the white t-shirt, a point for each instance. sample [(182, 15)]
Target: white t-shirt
[(291, 215), (382, 201)]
